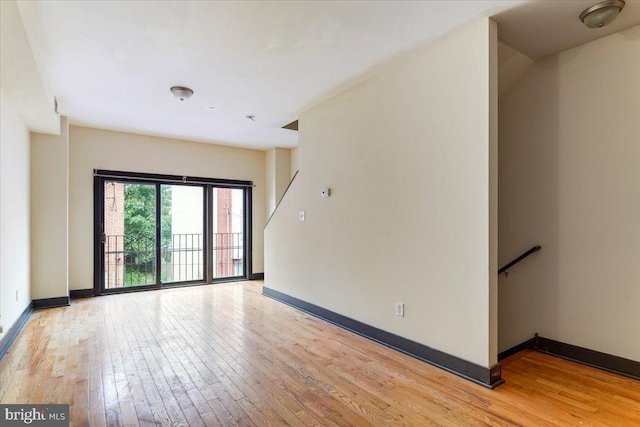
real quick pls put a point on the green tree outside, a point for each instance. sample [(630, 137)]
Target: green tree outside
[(140, 230)]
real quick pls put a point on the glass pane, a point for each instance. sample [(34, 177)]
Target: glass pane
[(181, 236), (228, 232), (130, 234)]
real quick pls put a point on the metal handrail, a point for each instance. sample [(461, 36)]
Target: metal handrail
[(517, 260)]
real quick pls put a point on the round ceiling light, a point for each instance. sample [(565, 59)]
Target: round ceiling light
[(601, 14), (182, 93)]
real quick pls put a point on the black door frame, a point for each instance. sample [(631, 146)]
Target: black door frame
[(102, 176), (247, 230)]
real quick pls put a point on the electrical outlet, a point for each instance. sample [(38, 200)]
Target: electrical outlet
[(399, 309), (302, 215)]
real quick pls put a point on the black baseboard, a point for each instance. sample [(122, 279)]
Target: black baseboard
[(81, 293), (257, 276), (12, 333), (51, 302), (518, 348), (607, 362), (487, 377)]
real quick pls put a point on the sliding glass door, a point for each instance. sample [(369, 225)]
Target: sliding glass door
[(228, 233), (129, 235), (182, 233), (156, 230)]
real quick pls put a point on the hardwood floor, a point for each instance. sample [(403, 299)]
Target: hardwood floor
[(225, 355)]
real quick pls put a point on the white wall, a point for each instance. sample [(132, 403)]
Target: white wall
[(99, 149), (278, 175), (512, 65), (294, 161), (21, 78), (408, 156), (270, 170), (50, 214), (570, 181), (14, 215), (283, 171)]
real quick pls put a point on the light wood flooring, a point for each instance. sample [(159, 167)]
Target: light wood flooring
[(225, 355)]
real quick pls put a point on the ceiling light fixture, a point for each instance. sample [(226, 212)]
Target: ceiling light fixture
[(182, 93), (251, 117), (210, 107), (602, 13)]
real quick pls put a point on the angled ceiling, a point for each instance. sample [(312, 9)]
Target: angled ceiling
[(111, 64), (542, 28)]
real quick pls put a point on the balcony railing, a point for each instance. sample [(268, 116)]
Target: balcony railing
[(228, 249), (130, 260), (182, 258)]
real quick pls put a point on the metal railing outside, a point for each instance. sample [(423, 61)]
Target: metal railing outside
[(182, 258), (130, 260), (228, 253)]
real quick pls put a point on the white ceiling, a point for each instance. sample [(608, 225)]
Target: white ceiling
[(542, 28), (111, 64)]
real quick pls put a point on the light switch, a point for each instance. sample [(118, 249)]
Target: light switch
[(302, 215), (326, 192)]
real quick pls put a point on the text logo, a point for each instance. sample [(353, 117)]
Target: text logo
[(34, 415)]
